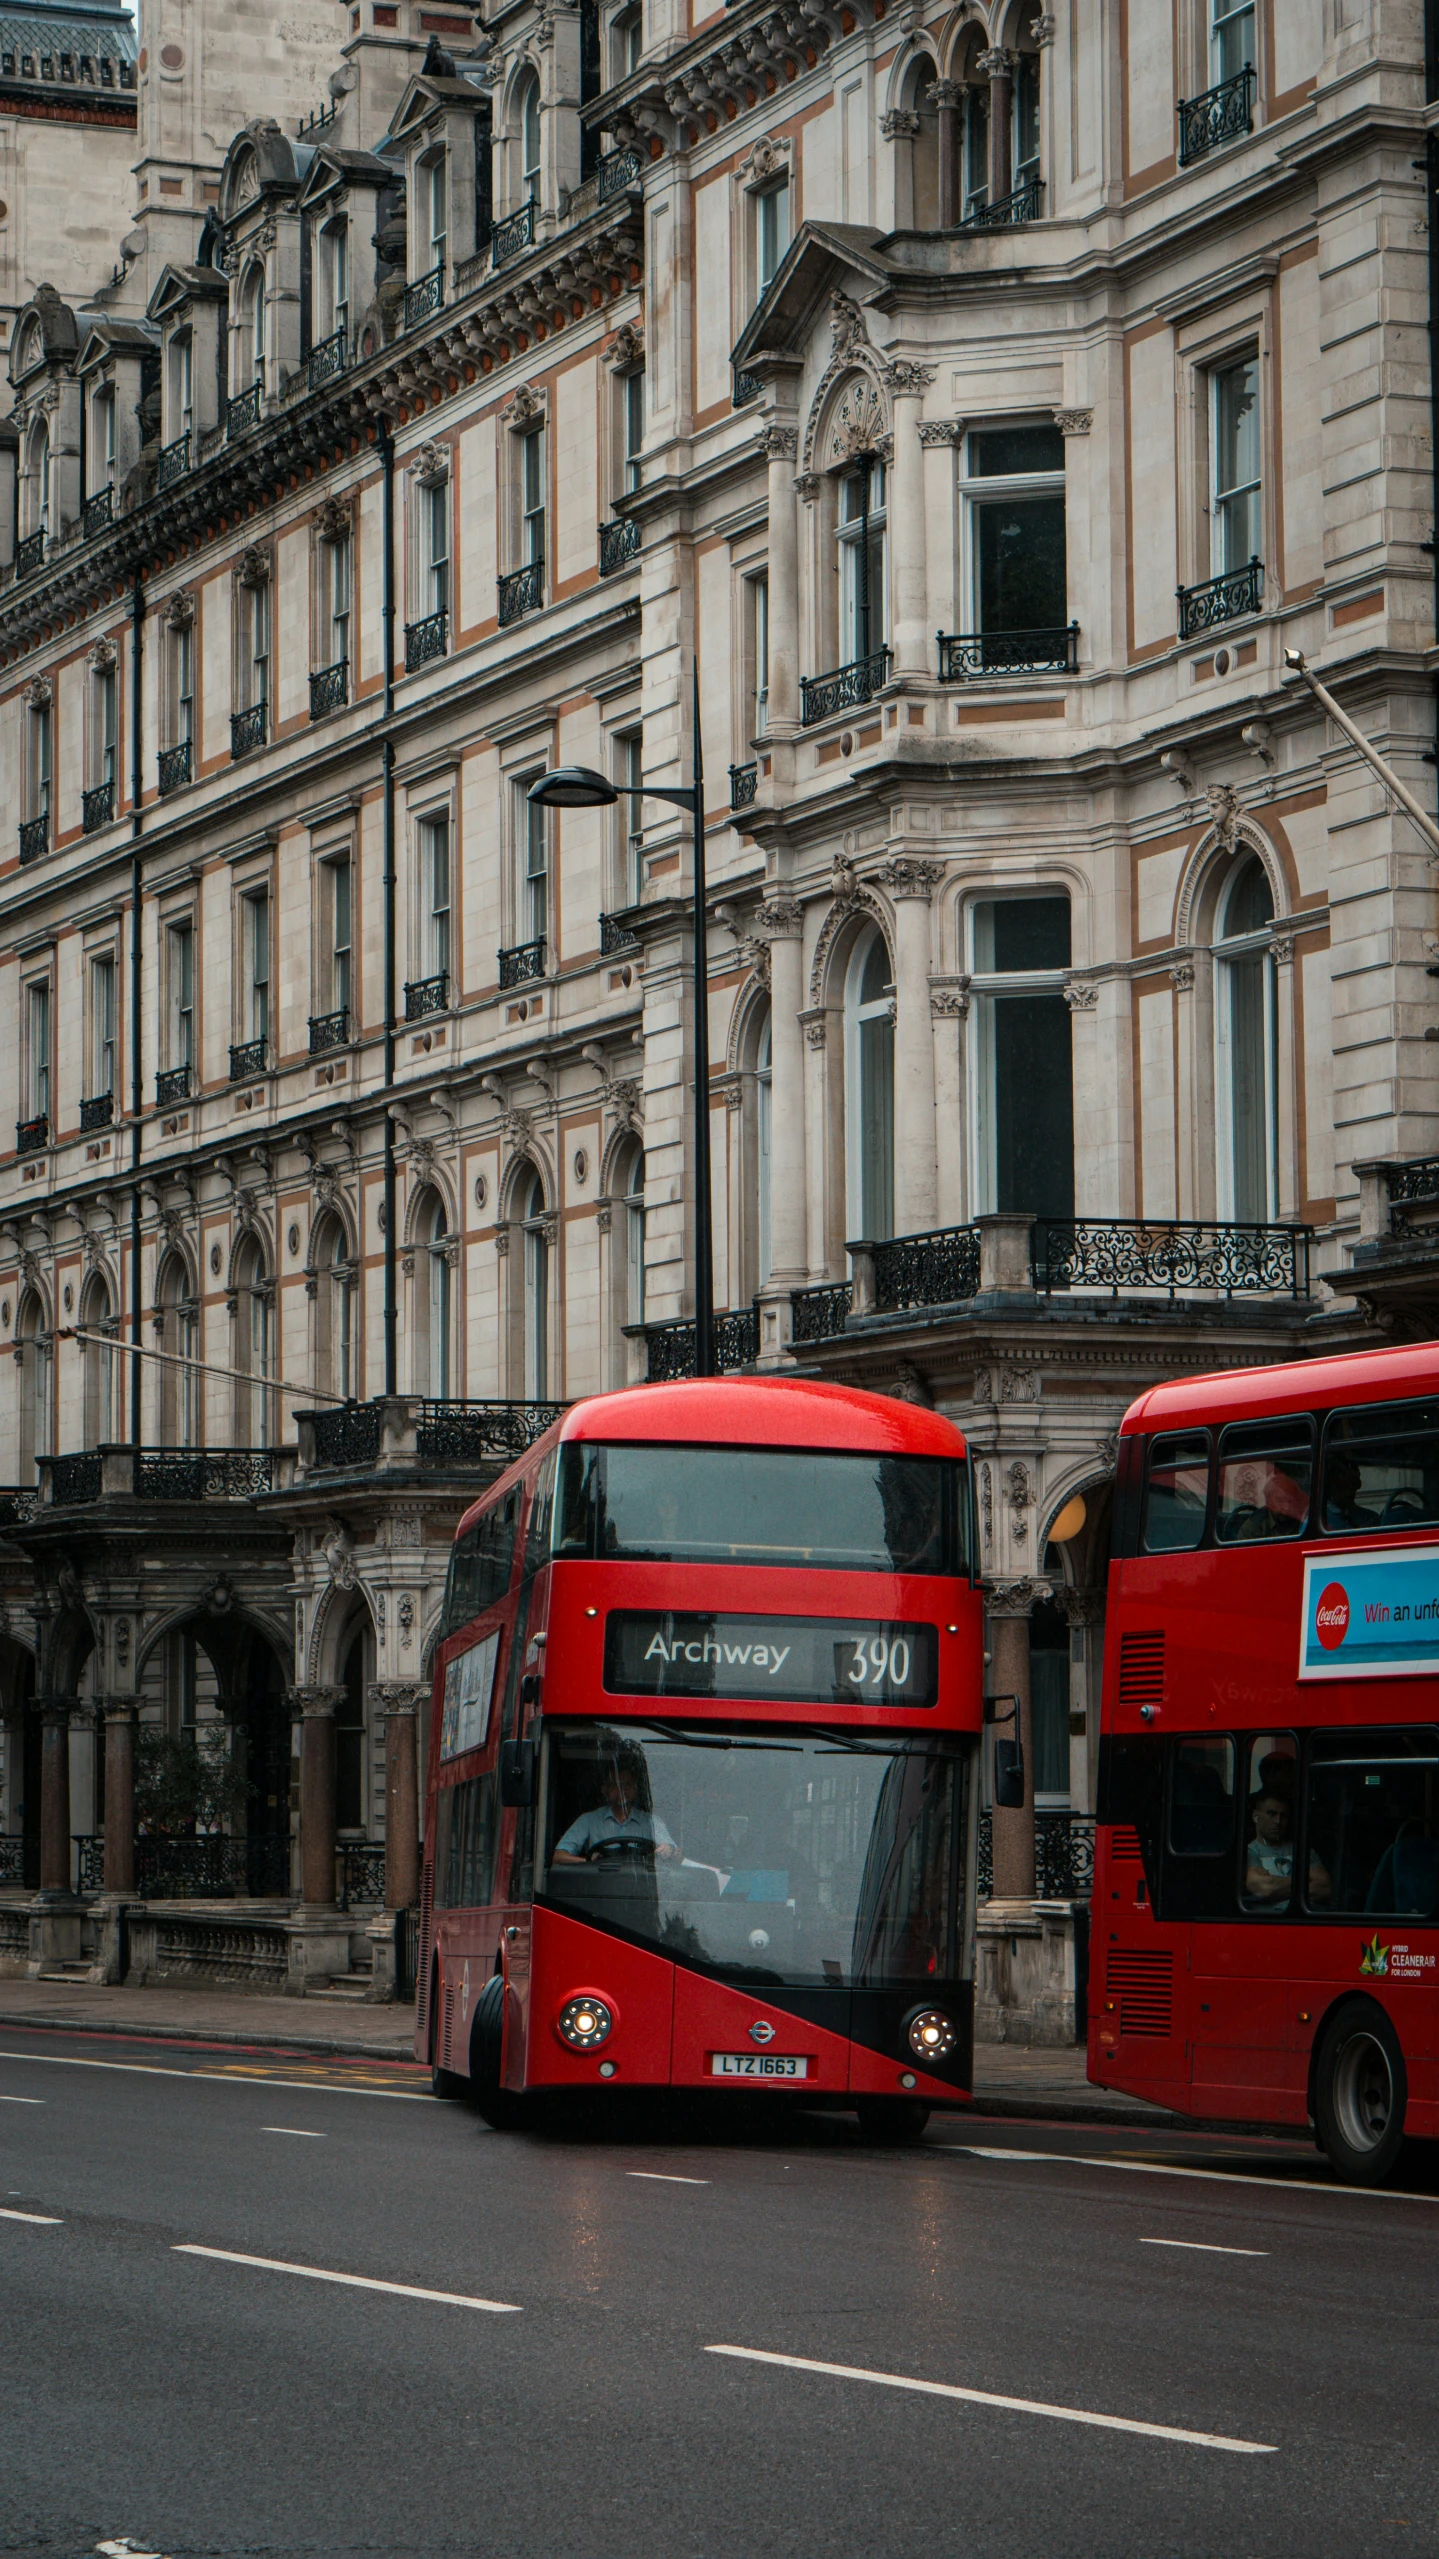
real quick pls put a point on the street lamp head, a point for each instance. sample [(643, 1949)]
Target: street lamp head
[(572, 786)]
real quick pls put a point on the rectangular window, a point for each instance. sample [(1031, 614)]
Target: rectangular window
[(254, 668), (337, 265), (532, 496), (763, 1506), (758, 596), (255, 923), (1372, 1829), (1381, 1467), (41, 757), (182, 387), (536, 884), (1201, 1799), (37, 1034), (1264, 1475), (1234, 470), (1022, 1048), (631, 820), (102, 1023), (863, 619), (435, 894), (974, 130), (1231, 39), (337, 882), (771, 232), (435, 534), (437, 205), (105, 739), (1015, 534), (183, 669), (632, 393), (1176, 1494), (1266, 1886), (482, 1564), (180, 972), (1026, 119), (337, 601), (102, 443)]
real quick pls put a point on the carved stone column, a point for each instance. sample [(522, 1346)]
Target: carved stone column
[(402, 1702), (782, 922), (906, 385), (55, 1797), (998, 68), (1006, 1616), (316, 1708), (911, 885), (947, 97), (121, 1716), (781, 444)]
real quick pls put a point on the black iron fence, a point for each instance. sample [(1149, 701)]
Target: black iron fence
[(12, 1858), (468, 1434), (348, 1435), (1222, 599), (747, 387), (175, 767), (426, 640), (743, 785), (98, 514), (247, 730), (425, 995), (242, 413), (522, 591), (818, 1313), (329, 688), (247, 1058), (329, 1030), (670, 1348), (220, 1866), (424, 297), (1063, 1856), (1117, 1253), (617, 171), (1224, 113), (360, 1875), (29, 555), (325, 361), (938, 1269), (1021, 205), (97, 807), (844, 688), (616, 936), (172, 1084), (174, 462), (970, 653), (522, 962), (75, 1478), (619, 543), (167, 1475), (511, 237), (97, 1110), (34, 838), (31, 1136)]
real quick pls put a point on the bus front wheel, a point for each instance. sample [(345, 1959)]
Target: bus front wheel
[(1361, 2091), (501, 2109), (892, 2120)]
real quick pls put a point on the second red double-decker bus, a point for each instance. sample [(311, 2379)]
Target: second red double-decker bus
[(1266, 1911), (701, 1786)]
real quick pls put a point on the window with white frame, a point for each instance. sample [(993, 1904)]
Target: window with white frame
[(335, 275), (434, 1281), (756, 643), (1013, 531), (632, 418), (336, 1306), (1246, 1047), (255, 964), (38, 480), (433, 841), (182, 684), (633, 1205), (253, 1295), (530, 145), (1235, 490), (1231, 39), (40, 757), (859, 533), (1022, 1142), (252, 329), (532, 496), (182, 386), (180, 992), (101, 1062), (36, 1370), (101, 458), (629, 818), (434, 504), (252, 670), (38, 1033), (435, 198), (771, 232), (103, 739), (764, 1128), (179, 1338), (1024, 111), (536, 1317), (337, 927), (627, 38), (99, 1362), (532, 834), (869, 1090), (336, 569)]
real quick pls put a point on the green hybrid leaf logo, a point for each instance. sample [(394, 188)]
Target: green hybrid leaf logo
[(1374, 1959)]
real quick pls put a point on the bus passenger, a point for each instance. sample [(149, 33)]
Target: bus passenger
[(1269, 1860), (1343, 1483), (618, 1822), (1406, 1879)]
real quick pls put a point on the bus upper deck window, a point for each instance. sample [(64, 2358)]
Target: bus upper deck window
[(1176, 1495), (792, 1508), (1264, 1476), (1381, 1467)]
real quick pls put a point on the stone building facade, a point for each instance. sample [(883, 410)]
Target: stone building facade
[(979, 405)]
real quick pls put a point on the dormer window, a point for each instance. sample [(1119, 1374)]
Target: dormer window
[(253, 344), (182, 384), (530, 141), (102, 442), (335, 269), (436, 202), (37, 503), (627, 36)]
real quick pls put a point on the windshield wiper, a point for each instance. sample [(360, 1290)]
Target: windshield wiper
[(716, 1741)]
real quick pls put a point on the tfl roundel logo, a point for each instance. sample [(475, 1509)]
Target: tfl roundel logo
[(1331, 1617)]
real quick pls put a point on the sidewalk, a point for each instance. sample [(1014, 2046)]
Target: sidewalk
[(1009, 2079)]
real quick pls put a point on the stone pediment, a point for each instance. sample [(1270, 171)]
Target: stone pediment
[(178, 287), (332, 171), (823, 259)]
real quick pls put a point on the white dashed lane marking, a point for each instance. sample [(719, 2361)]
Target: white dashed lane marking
[(328, 2275)]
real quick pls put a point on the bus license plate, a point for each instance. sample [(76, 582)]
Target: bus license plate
[(759, 2066)]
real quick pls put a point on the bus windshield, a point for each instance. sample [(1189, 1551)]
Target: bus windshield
[(800, 1857), (786, 1507)]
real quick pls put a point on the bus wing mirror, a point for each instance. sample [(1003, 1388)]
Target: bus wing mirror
[(1009, 1776), (529, 1688), (517, 1774)]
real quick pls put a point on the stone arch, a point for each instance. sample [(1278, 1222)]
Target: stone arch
[(525, 67), (69, 1640), (342, 1611), (851, 355), (334, 1211), (1035, 878), (429, 1186), (623, 1142), (837, 936), (956, 39), (1215, 856), (251, 1239), (746, 1025), (521, 1170)]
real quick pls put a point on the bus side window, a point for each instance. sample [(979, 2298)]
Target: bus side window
[(1381, 1467), (1131, 1793), (1176, 1494), (1199, 1860), (481, 1564), (1264, 1475), (537, 1535), (580, 1499), (1372, 1833), (1271, 1813)]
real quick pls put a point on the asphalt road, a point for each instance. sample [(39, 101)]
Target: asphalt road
[(1163, 2349)]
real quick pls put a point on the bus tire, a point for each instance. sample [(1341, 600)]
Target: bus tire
[(891, 2120), (1361, 2093), (501, 2109)]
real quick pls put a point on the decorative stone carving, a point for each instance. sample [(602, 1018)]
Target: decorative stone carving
[(1281, 949), (102, 657), (255, 566), (997, 63), (814, 1029), (1074, 421), (334, 521), (806, 484), (986, 1492), (626, 348), (178, 611), (941, 430), (904, 878), (39, 693), (905, 381), (1013, 1599), (945, 93), (502, 1240), (949, 1003), (769, 159), (1042, 29), (1181, 976), (429, 467), (1223, 812), (1019, 1496), (780, 443), (1081, 994), (781, 919), (604, 1214), (899, 124), (847, 330), (912, 1386), (858, 424)]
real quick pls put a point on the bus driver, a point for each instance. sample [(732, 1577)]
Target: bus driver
[(617, 1822)]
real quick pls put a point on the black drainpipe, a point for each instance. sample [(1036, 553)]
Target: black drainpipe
[(387, 623), (137, 823)]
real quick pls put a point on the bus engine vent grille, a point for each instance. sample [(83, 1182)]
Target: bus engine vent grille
[(1142, 1984), (1141, 1668), (1124, 1848)]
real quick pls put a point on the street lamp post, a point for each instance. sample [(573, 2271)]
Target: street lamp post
[(578, 786)]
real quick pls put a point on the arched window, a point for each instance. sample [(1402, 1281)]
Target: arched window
[(334, 1311), (252, 1346), (99, 1363), (39, 480), (922, 213), (33, 1344), (764, 1108), (529, 132), (253, 324), (634, 1212), (869, 1090), (179, 1380), (973, 132), (536, 1291), (1245, 1041), (350, 1738), (434, 1278)]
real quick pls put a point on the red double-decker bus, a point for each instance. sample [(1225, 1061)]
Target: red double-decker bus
[(701, 1785), (1266, 1912)]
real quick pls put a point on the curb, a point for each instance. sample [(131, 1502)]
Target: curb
[(150, 2030)]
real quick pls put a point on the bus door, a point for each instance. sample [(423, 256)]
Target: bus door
[(1229, 1866), (481, 1603)]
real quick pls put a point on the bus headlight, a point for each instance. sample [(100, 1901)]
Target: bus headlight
[(932, 2035), (584, 2023)]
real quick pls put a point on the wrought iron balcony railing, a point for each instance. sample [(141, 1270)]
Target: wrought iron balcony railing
[(329, 1030), (12, 1858), (817, 1314), (521, 592), (938, 1269), (360, 1873), (347, 1435), (1008, 210), (424, 297), (467, 1434), (425, 995), (242, 414), (747, 387), (247, 730), (965, 654), (202, 1474), (619, 543), (1413, 1184), (32, 1135), (743, 784), (34, 838), (98, 514), (616, 937), (510, 237), (29, 555), (670, 1348), (75, 1479), (329, 689), (1224, 113), (174, 462), (247, 1058), (820, 696), (1221, 599), (97, 807), (617, 171), (1063, 1856), (522, 962), (175, 767), (325, 360), (1224, 1258), (218, 1865), (172, 1084), (427, 639), (98, 1111)]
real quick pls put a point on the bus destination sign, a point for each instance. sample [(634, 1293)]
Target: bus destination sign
[(802, 1661), (1371, 1615)]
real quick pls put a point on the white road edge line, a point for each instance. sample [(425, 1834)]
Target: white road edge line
[(224, 2078), (292, 2132), (659, 2177), (51, 2218), (327, 2275), (1206, 2176), (1204, 2247), (996, 2399), (22, 2101)]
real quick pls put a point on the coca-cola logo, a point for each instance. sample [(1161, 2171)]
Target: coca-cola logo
[(1331, 1617)]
